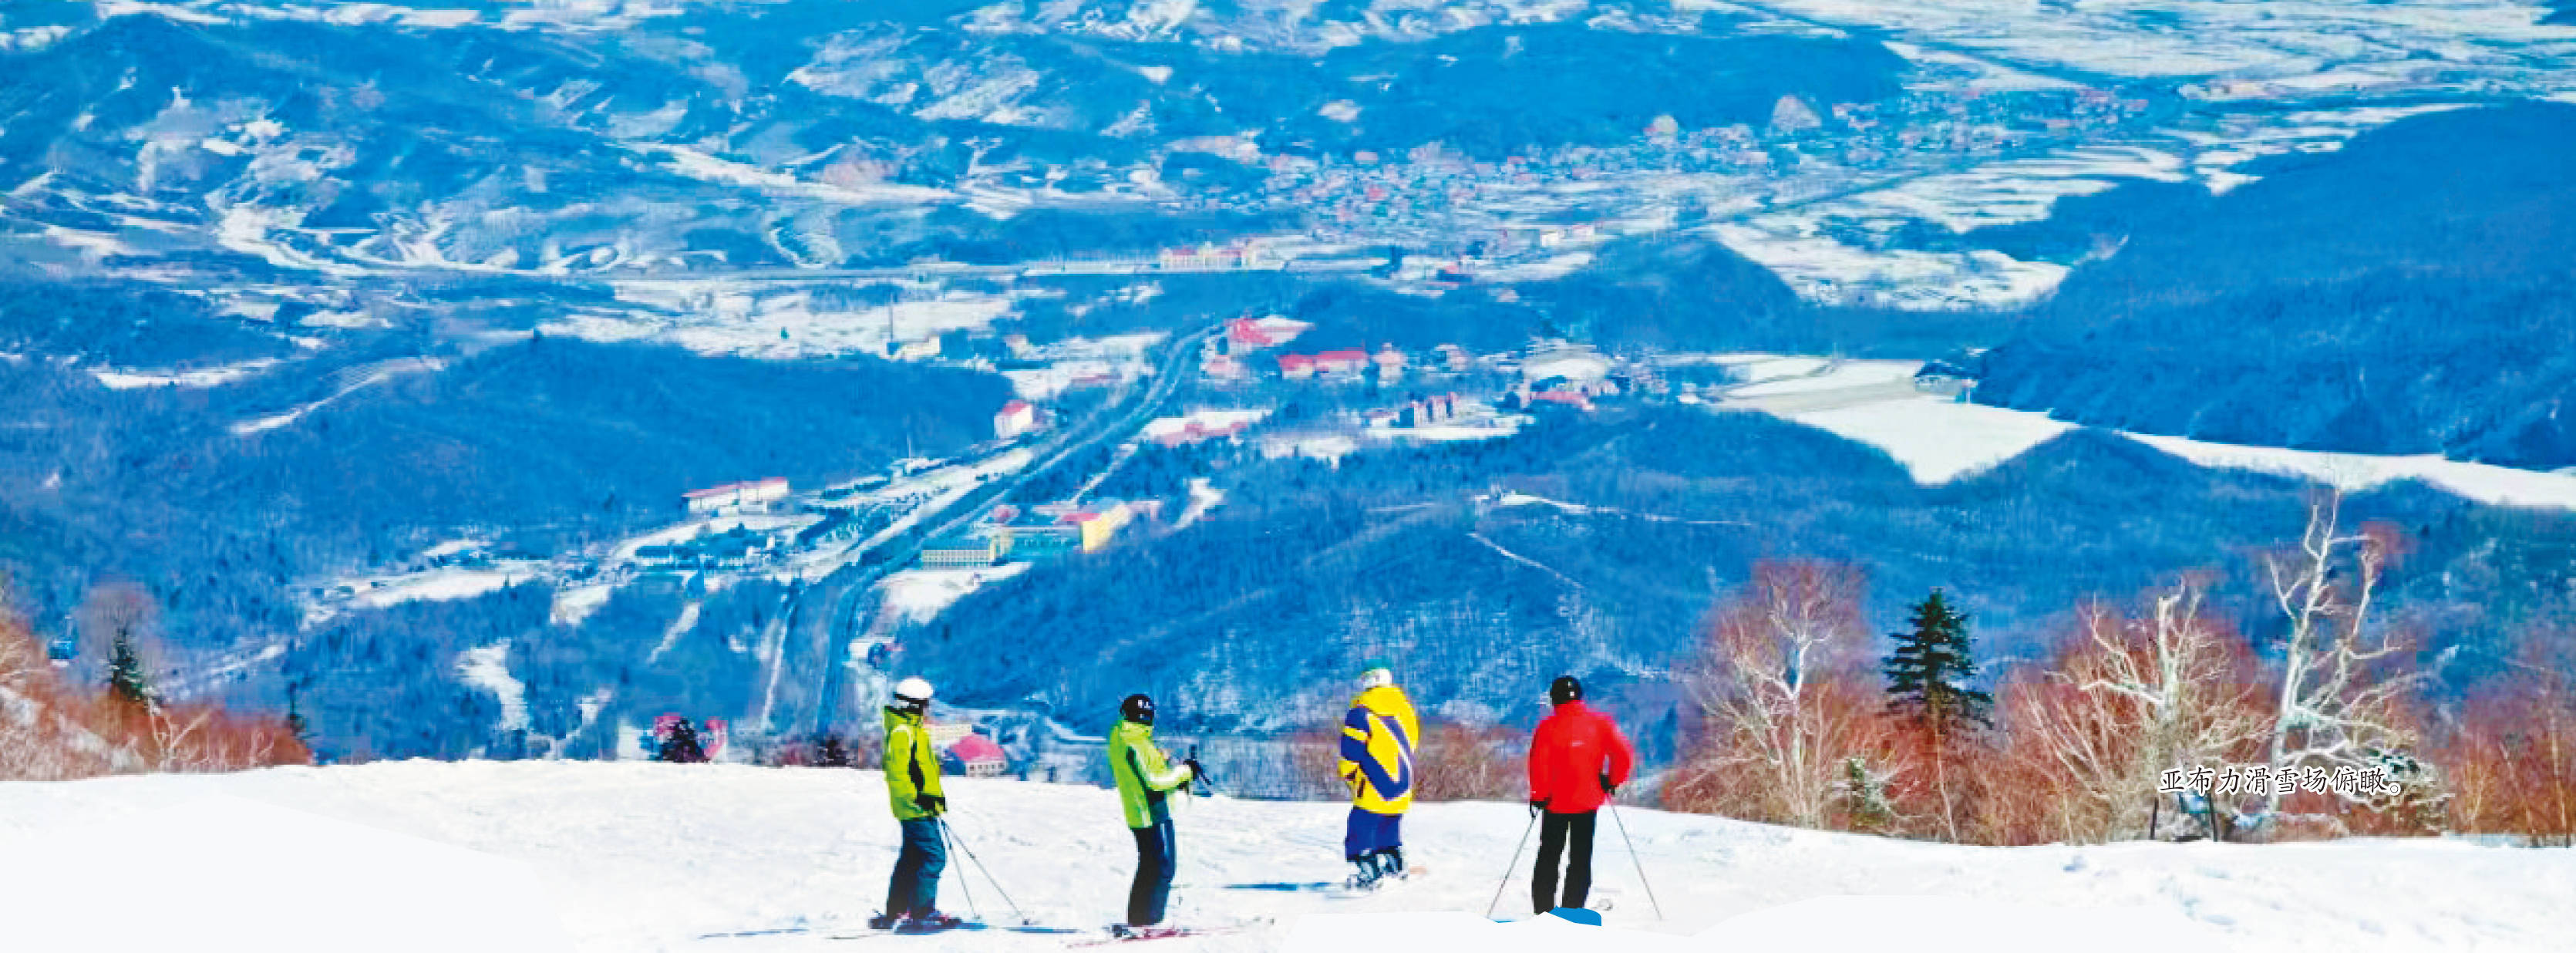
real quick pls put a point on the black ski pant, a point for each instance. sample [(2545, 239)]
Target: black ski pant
[(1156, 854), (1554, 832), (914, 889)]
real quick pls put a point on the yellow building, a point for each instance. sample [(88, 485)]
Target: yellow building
[(1102, 526)]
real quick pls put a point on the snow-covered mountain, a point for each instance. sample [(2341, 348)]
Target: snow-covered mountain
[(717, 859), (384, 339)]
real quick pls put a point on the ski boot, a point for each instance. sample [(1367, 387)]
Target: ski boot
[(1364, 873), (884, 921), (1390, 863), (932, 922)]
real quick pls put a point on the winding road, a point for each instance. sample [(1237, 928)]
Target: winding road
[(834, 632)]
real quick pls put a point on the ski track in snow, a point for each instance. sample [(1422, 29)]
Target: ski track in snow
[(638, 856), (1524, 560), (488, 668)]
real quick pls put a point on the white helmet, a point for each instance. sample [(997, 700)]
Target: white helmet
[(914, 690)]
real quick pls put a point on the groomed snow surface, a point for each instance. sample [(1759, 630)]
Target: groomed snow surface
[(488, 857)]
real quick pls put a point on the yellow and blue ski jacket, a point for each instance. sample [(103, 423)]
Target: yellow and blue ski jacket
[(1145, 777), (1377, 750), (911, 764)]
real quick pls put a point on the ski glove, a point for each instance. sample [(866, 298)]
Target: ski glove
[(1538, 806), (931, 802), (1607, 787)]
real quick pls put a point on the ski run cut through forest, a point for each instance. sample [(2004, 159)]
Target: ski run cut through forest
[(500, 857)]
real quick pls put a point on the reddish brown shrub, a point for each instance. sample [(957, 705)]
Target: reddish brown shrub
[(2511, 757)]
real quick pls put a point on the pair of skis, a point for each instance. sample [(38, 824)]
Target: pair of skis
[(1118, 933), (1121, 933)]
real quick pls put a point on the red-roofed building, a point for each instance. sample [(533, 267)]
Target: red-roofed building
[(978, 757), (1098, 526), (1390, 363), (1570, 398), (1296, 366), (1015, 418), (1195, 432), (1206, 257), (1223, 367), (1247, 332), (1342, 361)]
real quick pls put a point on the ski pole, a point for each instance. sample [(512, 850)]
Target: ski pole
[(1508, 868), (1632, 858), (964, 883), (987, 871), (1203, 784)]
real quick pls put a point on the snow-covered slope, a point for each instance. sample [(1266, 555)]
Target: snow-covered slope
[(635, 856), (1939, 440)]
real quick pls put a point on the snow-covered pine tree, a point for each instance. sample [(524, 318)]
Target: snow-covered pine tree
[(121, 617), (126, 679), (1863, 794)]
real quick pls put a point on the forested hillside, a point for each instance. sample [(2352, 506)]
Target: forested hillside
[(2407, 294), (1636, 524)]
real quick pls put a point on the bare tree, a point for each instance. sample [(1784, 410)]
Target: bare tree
[(2512, 756), (1459, 761), (2128, 698), (2341, 682), (40, 740), (1777, 686)]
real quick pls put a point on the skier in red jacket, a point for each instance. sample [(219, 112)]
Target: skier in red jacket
[(1576, 762)]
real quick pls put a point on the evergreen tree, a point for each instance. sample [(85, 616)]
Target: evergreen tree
[(1926, 687), (1927, 674), (681, 745), (833, 753), (126, 680), (295, 724), (1864, 797)]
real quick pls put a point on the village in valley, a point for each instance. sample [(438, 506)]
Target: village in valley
[(926, 532), (1087, 408)]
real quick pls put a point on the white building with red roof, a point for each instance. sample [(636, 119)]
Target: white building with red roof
[(978, 756), (1344, 361), (1015, 418), (1271, 331)]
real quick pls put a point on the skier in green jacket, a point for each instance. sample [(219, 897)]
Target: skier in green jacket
[(912, 788), (1146, 779)]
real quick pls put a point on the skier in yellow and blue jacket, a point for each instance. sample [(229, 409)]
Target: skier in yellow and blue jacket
[(1378, 738)]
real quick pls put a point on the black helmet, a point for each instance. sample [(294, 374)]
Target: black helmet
[(1564, 689), (1138, 709)]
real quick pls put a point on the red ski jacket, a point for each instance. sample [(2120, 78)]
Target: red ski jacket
[(1576, 748)]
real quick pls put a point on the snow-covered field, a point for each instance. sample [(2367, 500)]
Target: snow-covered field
[(920, 595), (496, 856), (1938, 439), (778, 322), (128, 379)]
